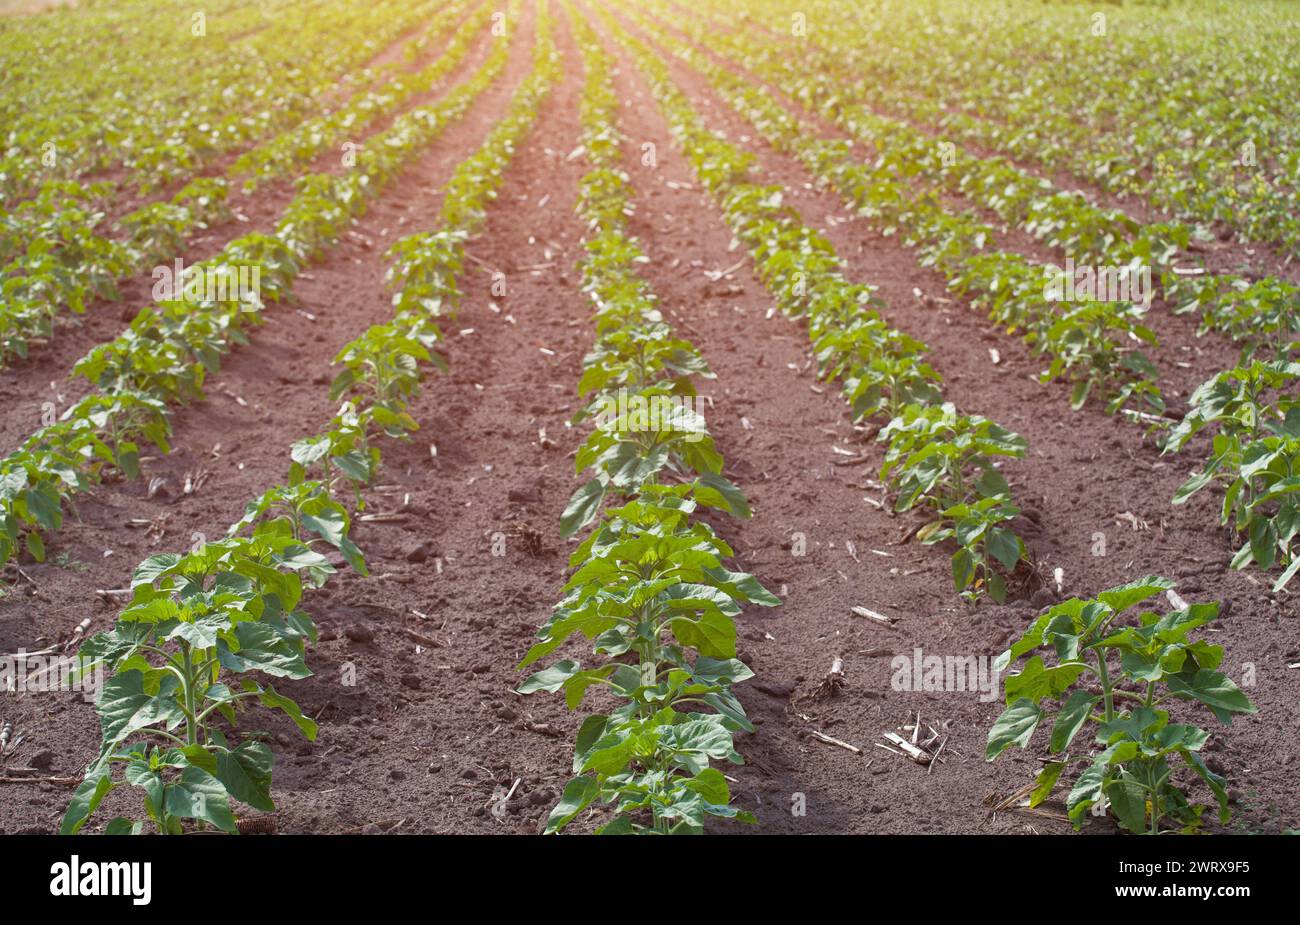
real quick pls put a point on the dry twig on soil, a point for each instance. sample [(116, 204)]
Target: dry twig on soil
[(833, 683)]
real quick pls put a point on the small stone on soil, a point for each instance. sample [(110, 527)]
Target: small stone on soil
[(359, 633), (418, 552)]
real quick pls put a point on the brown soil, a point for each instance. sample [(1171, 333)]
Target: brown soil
[(429, 739)]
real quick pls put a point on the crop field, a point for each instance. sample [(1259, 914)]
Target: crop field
[(640, 416)]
